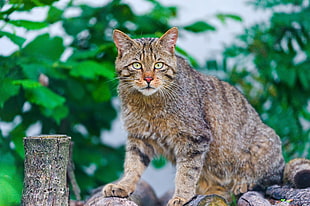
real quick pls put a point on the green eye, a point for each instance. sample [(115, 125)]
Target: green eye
[(136, 65), (158, 65)]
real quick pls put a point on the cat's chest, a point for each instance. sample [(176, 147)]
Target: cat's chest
[(151, 122)]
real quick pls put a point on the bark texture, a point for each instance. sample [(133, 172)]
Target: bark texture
[(46, 161), (253, 198), (144, 195), (296, 197), (207, 200)]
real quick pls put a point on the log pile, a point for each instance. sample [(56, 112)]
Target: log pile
[(145, 196), (296, 192), (47, 161)]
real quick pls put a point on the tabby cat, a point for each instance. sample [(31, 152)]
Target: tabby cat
[(203, 125)]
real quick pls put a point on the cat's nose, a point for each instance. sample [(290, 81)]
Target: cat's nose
[(148, 79)]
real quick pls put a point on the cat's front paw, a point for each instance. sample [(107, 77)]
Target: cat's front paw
[(115, 190), (242, 188), (176, 201)]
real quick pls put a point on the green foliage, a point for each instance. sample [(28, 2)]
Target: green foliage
[(199, 26), (224, 17), (270, 64), (68, 88), (10, 177)]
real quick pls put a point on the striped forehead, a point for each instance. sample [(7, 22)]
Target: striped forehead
[(147, 45), (146, 41)]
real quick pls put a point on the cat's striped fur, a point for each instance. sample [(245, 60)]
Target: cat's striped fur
[(203, 125)]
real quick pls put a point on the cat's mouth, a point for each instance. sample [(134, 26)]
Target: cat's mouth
[(148, 90)]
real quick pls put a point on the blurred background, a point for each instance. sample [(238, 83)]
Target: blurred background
[(57, 74)]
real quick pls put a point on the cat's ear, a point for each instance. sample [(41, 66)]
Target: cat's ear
[(122, 41), (169, 39)]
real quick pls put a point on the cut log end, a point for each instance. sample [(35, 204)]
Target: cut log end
[(55, 136), (302, 179)]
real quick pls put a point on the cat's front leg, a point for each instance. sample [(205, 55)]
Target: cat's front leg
[(187, 176), (138, 156)]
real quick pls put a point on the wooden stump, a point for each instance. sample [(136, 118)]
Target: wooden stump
[(46, 161)]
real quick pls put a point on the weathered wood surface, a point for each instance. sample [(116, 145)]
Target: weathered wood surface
[(111, 201), (289, 195), (253, 198), (207, 200), (47, 164), (297, 174), (46, 161), (276, 195), (296, 197), (143, 196)]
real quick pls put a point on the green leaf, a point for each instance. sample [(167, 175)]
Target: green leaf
[(17, 135), (102, 93), (27, 84), (159, 162), (9, 194), (40, 95), (212, 65), (84, 54), (90, 69), (86, 69), (304, 77), (7, 90), (10, 180), (192, 60), (74, 26), (33, 70), (19, 41), (54, 14), (2, 3), (44, 97), (108, 71), (58, 113), (33, 3), (224, 17), (288, 76), (30, 25), (200, 26), (45, 47)]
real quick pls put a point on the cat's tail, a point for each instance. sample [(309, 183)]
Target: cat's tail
[(297, 173)]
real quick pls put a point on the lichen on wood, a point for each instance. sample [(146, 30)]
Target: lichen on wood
[(46, 161)]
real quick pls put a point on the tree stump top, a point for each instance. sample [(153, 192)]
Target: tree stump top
[(56, 136)]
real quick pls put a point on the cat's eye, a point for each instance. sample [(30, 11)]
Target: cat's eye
[(136, 65), (158, 65)]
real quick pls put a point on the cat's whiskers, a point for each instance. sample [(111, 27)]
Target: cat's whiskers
[(125, 78), (170, 92)]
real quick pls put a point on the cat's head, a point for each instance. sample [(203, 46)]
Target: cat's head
[(147, 65)]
